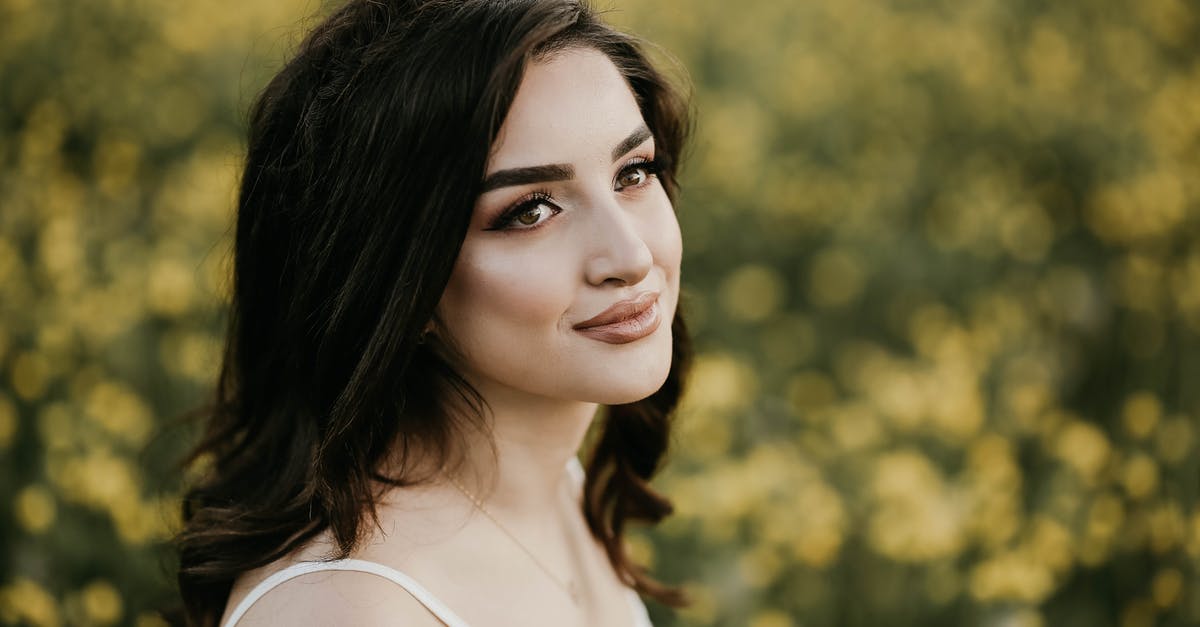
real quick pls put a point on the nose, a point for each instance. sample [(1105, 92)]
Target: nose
[(618, 253)]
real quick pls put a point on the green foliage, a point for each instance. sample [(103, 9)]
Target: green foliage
[(942, 263)]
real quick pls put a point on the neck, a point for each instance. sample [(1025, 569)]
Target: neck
[(534, 439)]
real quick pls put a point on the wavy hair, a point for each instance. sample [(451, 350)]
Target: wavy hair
[(351, 213)]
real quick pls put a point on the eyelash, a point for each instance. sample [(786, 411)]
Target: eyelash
[(504, 221)]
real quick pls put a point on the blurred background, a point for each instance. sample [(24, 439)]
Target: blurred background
[(942, 266)]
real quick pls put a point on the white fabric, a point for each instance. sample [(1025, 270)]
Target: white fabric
[(640, 617), (439, 609), (575, 469)]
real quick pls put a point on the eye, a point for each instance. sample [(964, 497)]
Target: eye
[(526, 214), (532, 215), (632, 178), (637, 174)]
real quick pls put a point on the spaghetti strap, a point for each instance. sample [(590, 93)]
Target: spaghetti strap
[(422, 595), (419, 592), (641, 618), (440, 610), (575, 470)]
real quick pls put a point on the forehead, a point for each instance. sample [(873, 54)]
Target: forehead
[(570, 107)]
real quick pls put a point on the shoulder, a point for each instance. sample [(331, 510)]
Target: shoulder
[(333, 598), (578, 478)]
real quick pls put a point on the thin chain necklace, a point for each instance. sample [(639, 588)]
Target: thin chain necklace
[(568, 587)]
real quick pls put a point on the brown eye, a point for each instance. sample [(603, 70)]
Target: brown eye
[(531, 217), (632, 177), (527, 214)]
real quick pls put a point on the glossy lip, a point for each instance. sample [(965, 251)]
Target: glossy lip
[(625, 321)]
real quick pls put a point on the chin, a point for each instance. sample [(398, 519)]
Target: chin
[(631, 395), (632, 384)]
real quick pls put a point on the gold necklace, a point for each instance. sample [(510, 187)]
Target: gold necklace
[(568, 587)]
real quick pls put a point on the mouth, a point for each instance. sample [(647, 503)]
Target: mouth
[(625, 321)]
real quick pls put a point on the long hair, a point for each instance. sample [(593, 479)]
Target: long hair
[(351, 214)]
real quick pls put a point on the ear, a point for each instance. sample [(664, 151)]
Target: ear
[(430, 330)]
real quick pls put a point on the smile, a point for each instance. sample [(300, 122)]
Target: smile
[(625, 321)]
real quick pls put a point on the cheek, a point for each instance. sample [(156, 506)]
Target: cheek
[(666, 245), (502, 293), (672, 242), (665, 241)]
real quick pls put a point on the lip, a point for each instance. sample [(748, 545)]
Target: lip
[(625, 321)]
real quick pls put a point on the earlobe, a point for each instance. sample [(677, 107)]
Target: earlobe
[(427, 333)]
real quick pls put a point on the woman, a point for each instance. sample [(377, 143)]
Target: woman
[(455, 241)]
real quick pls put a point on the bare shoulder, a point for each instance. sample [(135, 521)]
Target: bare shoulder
[(336, 598)]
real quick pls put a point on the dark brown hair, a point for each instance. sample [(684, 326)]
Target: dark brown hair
[(351, 214)]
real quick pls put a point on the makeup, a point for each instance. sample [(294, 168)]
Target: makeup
[(625, 321)]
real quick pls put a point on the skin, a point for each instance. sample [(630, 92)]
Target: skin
[(606, 233), (516, 293)]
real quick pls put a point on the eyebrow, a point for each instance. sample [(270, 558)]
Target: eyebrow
[(635, 139), (525, 176), (558, 171)]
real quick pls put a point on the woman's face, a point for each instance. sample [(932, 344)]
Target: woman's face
[(568, 277)]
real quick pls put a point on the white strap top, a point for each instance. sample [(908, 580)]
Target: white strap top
[(443, 613), (426, 598), (640, 617)]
